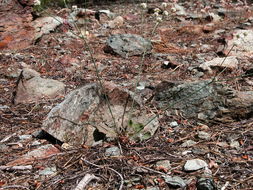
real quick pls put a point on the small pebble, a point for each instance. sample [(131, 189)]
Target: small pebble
[(195, 164)]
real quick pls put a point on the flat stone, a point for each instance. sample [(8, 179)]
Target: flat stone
[(4, 107), (230, 63), (45, 25), (204, 135), (173, 124), (206, 100), (175, 181), (112, 151), (25, 137), (195, 164), (188, 143), (234, 144), (128, 45), (116, 23), (42, 152), (37, 88), (48, 171), (164, 164)]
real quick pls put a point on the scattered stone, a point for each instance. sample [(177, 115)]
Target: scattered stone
[(204, 135), (112, 151), (116, 23), (207, 172), (4, 107), (206, 100), (108, 13), (186, 152), (48, 171), (128, 45), (163, 164), (45, 25), (205, 184), (180, 10), (188, 143), (141, 86), (203, 126), (3, 147), (234, 144), (175, 181), (14, 71), (230, 63), (171, 62), (222, 144), (79, 15), (66, 146), (36, 143), (242, 43), (199, 74), (25, 137), (173, 124), (213, 17), (198, 151), (195, 164), (36, 89), (42, 152)]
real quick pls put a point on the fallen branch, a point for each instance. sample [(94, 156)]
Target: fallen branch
[(225, 186), (84, 182), (15, 186), (155, 171), (7, 138), (11, 168)]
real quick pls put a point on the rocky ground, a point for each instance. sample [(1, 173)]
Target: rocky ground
[(177, 77)]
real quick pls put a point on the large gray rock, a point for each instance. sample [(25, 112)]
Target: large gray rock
[(84, 115), (64, 122), (205, 100), (128, 45)]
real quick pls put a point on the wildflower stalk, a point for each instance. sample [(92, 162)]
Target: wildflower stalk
[(96, 70)]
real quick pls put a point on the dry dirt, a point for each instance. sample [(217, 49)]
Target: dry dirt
[(52, 54)]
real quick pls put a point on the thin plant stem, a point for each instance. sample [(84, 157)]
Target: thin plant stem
[(96, 70), (154, 29)]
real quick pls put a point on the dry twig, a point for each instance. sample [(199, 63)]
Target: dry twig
[(10, 168), (121, 177), (84, 182)]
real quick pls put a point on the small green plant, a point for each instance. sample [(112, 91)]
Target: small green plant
[(137, 127)]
